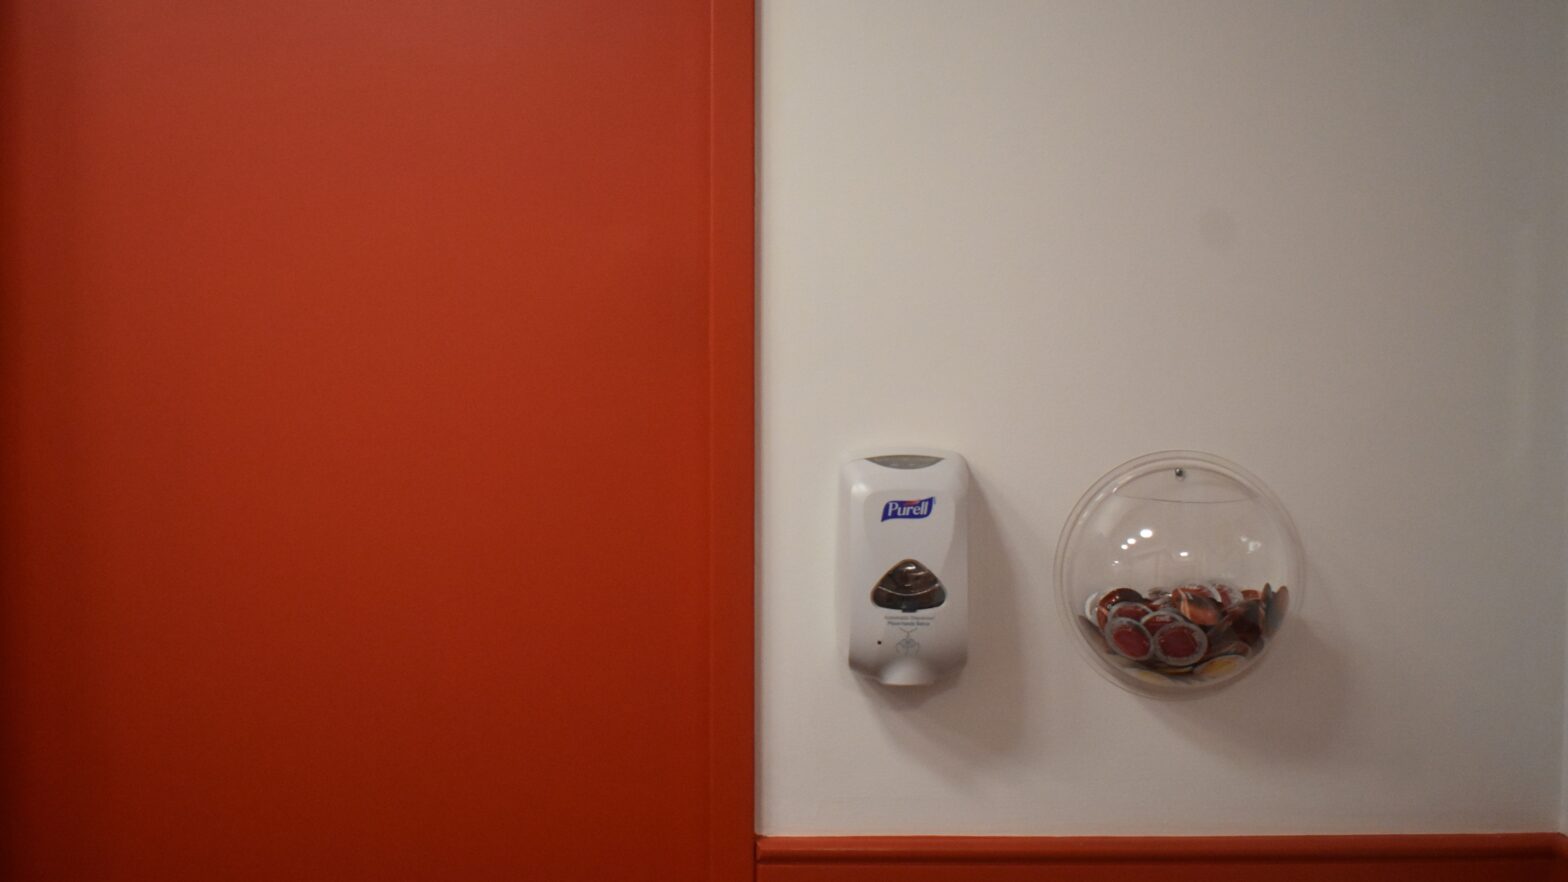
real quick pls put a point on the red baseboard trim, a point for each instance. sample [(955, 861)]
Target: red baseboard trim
[(1077, 849), (1509, 857)]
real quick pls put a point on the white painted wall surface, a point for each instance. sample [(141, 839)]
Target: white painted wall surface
[(1324, 239)]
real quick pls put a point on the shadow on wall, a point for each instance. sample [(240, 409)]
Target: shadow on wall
[(980, 715), (961, 725), (1260, 715)]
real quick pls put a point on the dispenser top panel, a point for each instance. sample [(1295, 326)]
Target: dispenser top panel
[(906, 460)]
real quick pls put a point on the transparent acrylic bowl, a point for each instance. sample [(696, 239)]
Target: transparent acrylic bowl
[(1177, 572)]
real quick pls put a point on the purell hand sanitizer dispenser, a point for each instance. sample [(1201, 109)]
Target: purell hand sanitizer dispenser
[(905, 565)]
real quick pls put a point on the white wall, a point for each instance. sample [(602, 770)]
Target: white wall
[(1324, 239), (1562, 363)]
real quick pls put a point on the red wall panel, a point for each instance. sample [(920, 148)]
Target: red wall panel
[(359, 425)]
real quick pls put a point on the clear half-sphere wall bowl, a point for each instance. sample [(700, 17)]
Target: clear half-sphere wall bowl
[(1178, 572)]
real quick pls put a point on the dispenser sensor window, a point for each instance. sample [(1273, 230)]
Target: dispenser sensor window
[(909, 587)]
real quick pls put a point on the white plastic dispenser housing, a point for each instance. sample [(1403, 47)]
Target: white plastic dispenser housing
[(904, 571)]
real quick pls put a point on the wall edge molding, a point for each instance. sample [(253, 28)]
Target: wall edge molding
[(784, 850)]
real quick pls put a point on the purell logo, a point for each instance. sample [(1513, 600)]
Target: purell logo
[(907, 508)]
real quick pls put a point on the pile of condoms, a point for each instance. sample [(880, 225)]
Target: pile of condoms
[(1205, 631)]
